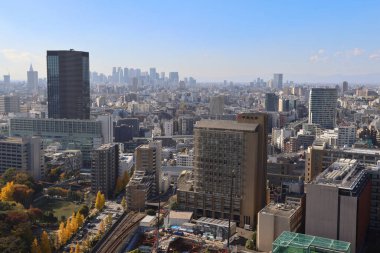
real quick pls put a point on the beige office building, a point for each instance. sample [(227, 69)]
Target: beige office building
[(24, 154), (221, 147), (145, 181), (274, 219)]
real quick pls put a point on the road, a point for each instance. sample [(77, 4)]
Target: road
[(116, 238)]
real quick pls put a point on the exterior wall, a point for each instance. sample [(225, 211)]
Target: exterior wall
[(105, 166), (313, 163), (68, 84), (322, 107), (322, 210), (347, 220), (73, 134), (250, 199)]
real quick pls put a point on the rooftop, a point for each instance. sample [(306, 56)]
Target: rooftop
[(215, 222), (288, 240), (226, 125), (180, 215), (344, 173), (279, 209)]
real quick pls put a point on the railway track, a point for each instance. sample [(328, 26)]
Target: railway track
[(121, 232)]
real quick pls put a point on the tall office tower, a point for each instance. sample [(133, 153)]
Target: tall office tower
[(9, 103), (277, 81), (162, 75), (68, 83), (120, 75), (32, 81), (7, 79), (152, 74), (271, 102), (135, 84), (228, 156), (217, 105), (126, 75), (22, 154), (345, 86), (322, 107), (173, 78), (114, 74), (105, 169), (338, 203)]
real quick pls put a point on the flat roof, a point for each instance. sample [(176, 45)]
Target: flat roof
[(226, 125), (180, 215), (215, 222), (344, 173), (280, 209)]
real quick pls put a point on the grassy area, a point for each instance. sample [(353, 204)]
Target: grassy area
[(59, 207)]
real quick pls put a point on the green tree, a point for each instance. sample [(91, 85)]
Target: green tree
[(249, 244), (84, 210)]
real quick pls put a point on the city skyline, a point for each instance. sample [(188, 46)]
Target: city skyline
[(314, 41)]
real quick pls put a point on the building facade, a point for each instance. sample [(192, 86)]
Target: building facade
[(84, 135), (24, 154), (105, 169), (9, 103), (338, 203), (32, 79), (322, 107), (226, 156), (68, 84)]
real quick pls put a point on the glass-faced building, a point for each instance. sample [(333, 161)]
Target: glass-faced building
[(68, 84)]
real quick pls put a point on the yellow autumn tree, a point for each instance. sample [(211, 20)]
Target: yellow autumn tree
[(74, 223), (77, 248), (124, 203), (7, 192), (119, 185), (62, 234), (102, 229), (103, 200), (45, 243), (98, 201), (35, 247), (125, 178), (80, 219)]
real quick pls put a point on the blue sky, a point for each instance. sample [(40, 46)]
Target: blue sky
[(210, 40)]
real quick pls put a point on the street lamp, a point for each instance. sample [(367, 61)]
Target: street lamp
[(229, 219)]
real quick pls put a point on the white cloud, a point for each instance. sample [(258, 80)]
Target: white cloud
[(319, 56), (374, 56), (356, 52), (17, 56)]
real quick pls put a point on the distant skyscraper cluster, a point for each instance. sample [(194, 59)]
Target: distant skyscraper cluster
[(136, 77)]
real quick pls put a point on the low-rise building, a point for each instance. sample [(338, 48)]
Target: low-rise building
[(274, 219)]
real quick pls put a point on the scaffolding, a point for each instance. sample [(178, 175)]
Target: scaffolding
[(289, 242)]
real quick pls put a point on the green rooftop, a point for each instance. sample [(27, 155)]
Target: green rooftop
[(289, 242)]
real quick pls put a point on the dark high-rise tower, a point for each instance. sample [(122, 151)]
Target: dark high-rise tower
[(68, 83)]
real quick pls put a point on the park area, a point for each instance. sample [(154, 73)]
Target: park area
[(59, 207)]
